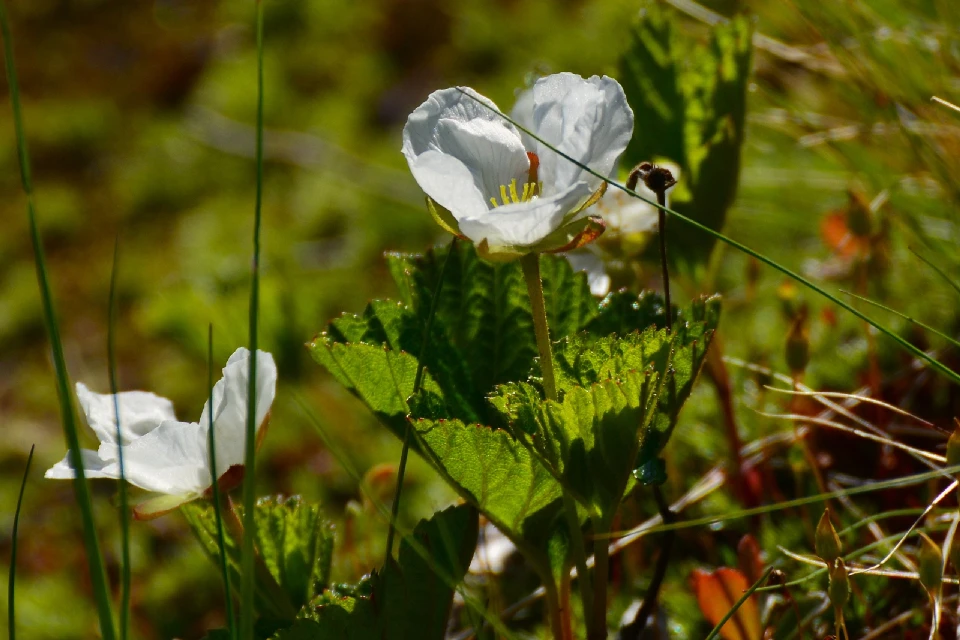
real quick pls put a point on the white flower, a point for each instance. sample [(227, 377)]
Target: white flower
[(508, 193), (165, 456)]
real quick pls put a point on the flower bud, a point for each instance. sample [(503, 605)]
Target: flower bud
[(955, 555), (931, 564), (953, 448), (798, 343), (839, 589), (826, 540), (859, 216)]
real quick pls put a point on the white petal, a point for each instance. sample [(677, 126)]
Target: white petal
[(592, 264), (170, 459), (522, 114), (625, 214), (589, 120), (461, 152), (230, 404), (93, 467), (140, 412), (493, 552), (524, 224), (160, 504)]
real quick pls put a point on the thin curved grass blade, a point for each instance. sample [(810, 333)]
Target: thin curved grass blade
[(98, 575), (125, 568), (935, 267), (247, 579), (904, 316), (12, 583), (215, 490)]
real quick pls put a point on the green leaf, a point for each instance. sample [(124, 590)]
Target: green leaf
[(691, 99), (590, 438), (294, 540), (410, 599), (391, 325), (485, 308), (619, 400), (493, 471), (692, 333)]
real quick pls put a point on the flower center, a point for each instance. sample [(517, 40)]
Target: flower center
[(532, 188)]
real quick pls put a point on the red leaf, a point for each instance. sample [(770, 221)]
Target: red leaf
[(717, 592)]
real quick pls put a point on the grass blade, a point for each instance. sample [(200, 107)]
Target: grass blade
[(905, 317), (215, 488), (940, 272), (249, 522), (125, 569), (793, 275), (11, 608), (98, 577)]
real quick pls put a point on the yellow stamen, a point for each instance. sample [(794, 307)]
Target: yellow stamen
[(503, 194), (494, 202), (526, 192), (513, 191)]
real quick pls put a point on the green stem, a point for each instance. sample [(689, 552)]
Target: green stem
[(530, 264), (125, 569), (215, 488), (601, 572)]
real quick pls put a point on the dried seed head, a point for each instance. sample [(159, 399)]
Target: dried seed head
[(826, 540), (657, 179)]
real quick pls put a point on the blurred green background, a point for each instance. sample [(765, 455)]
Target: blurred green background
[(139, 118)]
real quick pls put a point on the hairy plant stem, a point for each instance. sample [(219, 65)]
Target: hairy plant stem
[(601, 572), (635, 628), (556, 612), (662, 232), (530, 264), (417, 384)]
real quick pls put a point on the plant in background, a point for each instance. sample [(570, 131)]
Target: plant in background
[(168, 457)]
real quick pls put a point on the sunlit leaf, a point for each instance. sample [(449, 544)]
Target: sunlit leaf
[(385, 381), (294, 540)]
